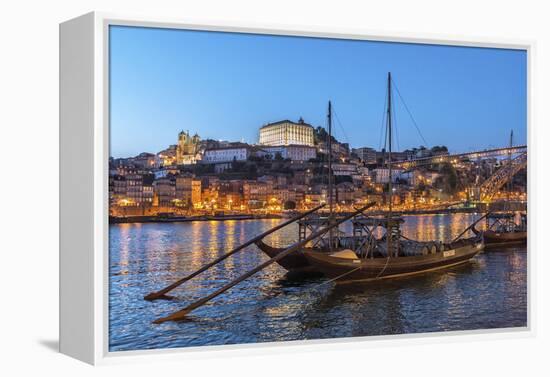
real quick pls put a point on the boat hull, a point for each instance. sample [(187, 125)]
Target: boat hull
[(348, 270), (295, 261), (494, 239)]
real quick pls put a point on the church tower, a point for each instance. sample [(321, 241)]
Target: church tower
[(187, 148)]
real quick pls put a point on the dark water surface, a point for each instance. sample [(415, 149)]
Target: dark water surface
[(489, 292)]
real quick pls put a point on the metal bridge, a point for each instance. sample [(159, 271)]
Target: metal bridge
[(411, 164), (489, 188), (492, 185)]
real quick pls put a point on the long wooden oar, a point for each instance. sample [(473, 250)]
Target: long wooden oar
[(470, 226), (179, 315), (162, 292)]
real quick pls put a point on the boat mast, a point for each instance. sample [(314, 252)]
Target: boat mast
[(390, 188), (329, 118), (510, 164), (507, 206)]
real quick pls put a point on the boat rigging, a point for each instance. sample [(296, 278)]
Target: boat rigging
[(393, 254)]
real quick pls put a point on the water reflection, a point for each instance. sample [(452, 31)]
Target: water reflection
[(273, 305)]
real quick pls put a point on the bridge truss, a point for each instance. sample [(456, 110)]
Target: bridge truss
[(490, 187), (438, 159)]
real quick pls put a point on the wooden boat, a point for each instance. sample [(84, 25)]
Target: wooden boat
[(406, 256), (391, 255), (292, 262), (502, 230)]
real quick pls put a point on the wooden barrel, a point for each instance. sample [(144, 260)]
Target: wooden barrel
[(425, 250)]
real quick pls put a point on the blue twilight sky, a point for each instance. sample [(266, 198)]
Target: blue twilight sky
[(227, 85)]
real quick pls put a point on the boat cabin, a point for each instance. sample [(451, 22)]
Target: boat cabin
[(371, 234), (506, 222), (313, 224)]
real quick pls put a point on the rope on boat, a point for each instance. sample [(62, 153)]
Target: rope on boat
[(336, 278), (385, 266), (349, 272), (339, 276)]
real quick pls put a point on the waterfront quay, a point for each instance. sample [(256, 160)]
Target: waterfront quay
[(164, 218)]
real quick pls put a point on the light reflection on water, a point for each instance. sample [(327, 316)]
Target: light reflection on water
[(489, 292)]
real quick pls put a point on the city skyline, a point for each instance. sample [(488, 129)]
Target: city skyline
[(227, 85)]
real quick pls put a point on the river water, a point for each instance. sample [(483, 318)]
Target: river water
[(489, 292)]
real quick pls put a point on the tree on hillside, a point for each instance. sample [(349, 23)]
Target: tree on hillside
[(439, 149), (449, 178)]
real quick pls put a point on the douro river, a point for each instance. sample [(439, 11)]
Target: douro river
[(489, 292)]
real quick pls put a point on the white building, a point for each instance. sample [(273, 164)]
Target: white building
[(229, 154), (366, 154), (286, 132), (382, 175), (344, 169), (293, 152)]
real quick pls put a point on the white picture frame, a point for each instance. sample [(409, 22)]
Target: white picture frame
[(84, 154)]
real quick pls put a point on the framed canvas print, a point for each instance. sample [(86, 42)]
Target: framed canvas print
[(223, 185)]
